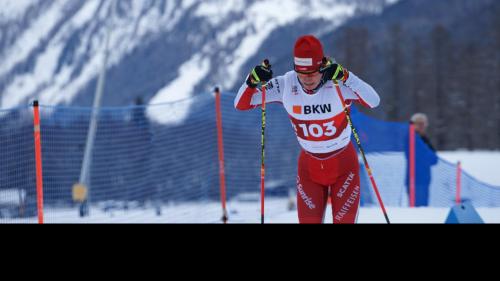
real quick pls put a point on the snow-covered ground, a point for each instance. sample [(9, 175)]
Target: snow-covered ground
[(483, 165), (246, 212)]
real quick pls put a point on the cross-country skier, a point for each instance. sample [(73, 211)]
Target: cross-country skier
[(328, 164)]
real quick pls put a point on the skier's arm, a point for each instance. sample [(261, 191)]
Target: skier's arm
[(250, 98), (356, 89), (360, 91)]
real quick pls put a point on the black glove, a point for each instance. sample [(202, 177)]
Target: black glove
[(333, 71), (260, 74)]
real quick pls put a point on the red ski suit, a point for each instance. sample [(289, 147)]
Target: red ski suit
[(328, 164)]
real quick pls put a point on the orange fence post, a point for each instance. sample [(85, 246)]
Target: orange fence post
[(220, 143), (38, 161), (458, 198), (411, 166)]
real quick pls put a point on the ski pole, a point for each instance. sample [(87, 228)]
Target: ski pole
[(262, 146), (361, 150)]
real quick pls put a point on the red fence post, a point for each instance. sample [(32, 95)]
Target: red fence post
[(38, 161), (458, 197), (411, 166), (220, 143)]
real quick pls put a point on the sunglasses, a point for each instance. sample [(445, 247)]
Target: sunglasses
[(325, 63), (306, 72)]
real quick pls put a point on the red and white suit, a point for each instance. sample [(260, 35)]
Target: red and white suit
[(328, 164)]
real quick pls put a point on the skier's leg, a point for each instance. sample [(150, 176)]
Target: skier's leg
[(346, 191), (346, 195), (311, 201), (311, 197)]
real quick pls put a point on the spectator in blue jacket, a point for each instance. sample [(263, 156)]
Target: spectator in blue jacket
[(425, 158)]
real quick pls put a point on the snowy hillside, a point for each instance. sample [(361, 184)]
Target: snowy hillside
[(161, 50)]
